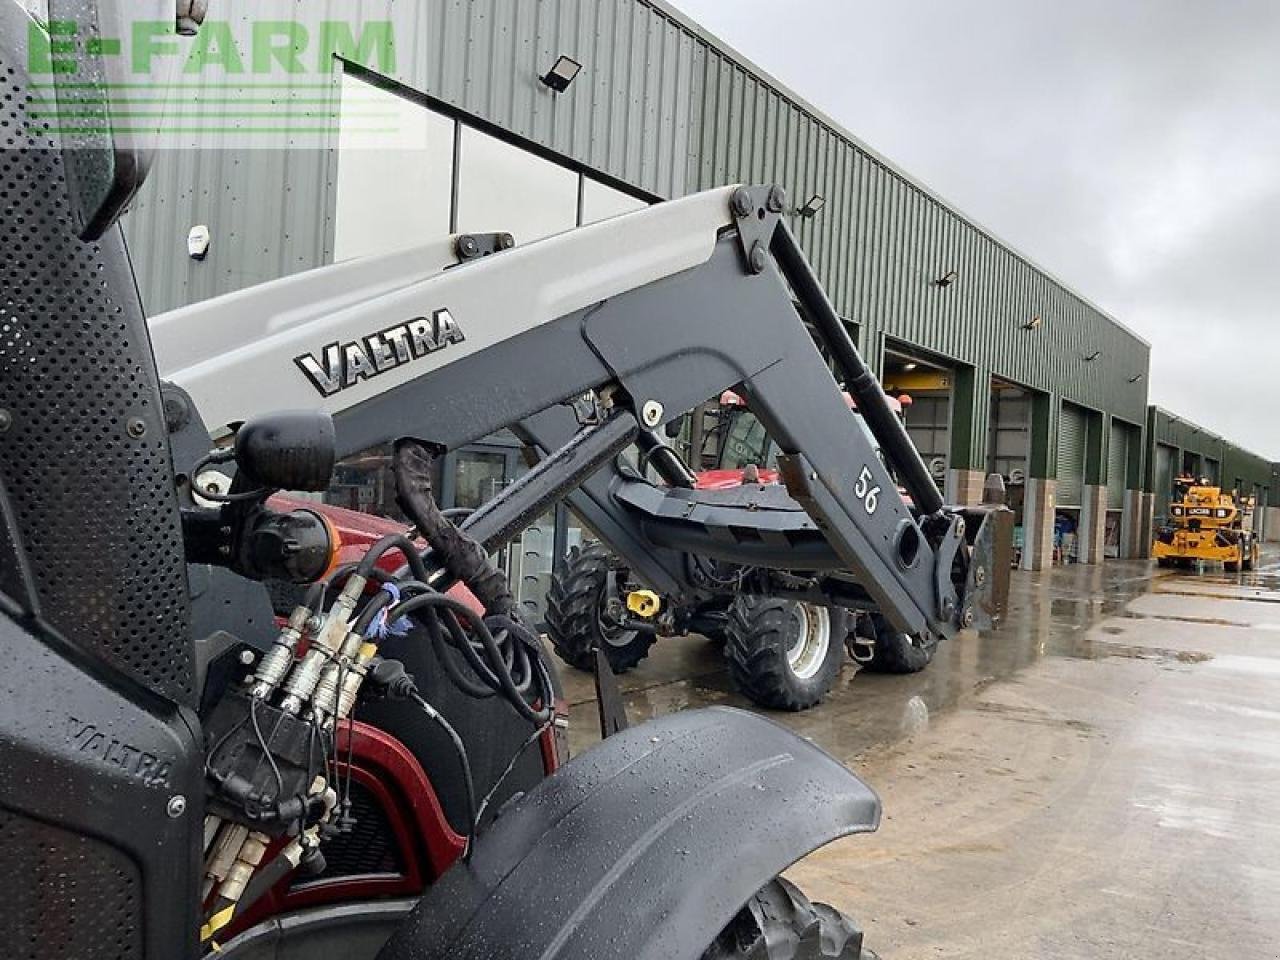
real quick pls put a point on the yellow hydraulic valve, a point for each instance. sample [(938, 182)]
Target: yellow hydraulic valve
[(644, 603)]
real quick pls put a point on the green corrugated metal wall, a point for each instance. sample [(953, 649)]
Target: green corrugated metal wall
[(1235, 463)]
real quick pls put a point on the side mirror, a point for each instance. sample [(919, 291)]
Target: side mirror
[(293, 450)]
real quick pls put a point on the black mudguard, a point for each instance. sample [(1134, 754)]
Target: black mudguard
[(643, 848)]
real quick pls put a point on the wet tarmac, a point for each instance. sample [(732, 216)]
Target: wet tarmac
[(1099, 778)]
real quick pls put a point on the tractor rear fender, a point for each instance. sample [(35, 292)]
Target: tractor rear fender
[(642, 848)]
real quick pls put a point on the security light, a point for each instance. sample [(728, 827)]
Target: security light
[(1032, 324), (1089, 358), (909, 366), (947, 279), (562, 73), (1135, 378), (812, 206)]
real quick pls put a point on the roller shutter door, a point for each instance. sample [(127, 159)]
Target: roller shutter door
[(1165, 457), (1071, 444), (1117, 465)]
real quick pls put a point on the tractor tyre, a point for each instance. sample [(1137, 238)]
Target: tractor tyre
[(784, 654), (780, 923), (575, 614), (895, 652), (1246, 563)]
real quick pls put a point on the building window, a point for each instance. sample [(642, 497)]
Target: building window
[(395, 172), (600, 202), (501, 187)]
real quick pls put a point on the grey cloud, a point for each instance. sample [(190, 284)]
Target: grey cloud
[(1131, 149)]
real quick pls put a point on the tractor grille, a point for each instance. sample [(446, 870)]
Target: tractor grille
[(371, 846), (83, 454), (77, 897)]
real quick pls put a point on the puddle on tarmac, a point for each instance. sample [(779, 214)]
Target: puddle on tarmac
[(1060, 613)]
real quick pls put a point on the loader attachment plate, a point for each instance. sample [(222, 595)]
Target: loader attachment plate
[(990, 564)]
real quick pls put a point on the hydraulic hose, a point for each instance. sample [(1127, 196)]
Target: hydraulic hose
[(461, 556)]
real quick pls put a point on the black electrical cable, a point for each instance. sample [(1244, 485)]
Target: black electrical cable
[(222, 456), (511, 765), (262, 745), (463, 760)]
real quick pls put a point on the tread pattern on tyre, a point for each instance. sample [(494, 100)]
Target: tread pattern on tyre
[(757, 654), (573, 606), (781, 923), (894, 652)]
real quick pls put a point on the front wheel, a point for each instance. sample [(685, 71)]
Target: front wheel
[(893, 651), (576, 621), (780, 922), (784, 654)]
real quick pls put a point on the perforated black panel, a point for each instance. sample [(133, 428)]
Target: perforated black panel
[(83, 449), (77, 898)]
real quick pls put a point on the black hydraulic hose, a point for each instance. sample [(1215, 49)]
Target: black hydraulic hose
[(394, 541), (665, 460), (859, 380), (463, 557), (445, 656), (481, 632)]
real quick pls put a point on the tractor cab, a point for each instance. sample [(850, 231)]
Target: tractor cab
[(744, 451)]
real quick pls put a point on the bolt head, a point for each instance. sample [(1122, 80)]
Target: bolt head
[(777, 201), (176, 806), (741, 202), (651, 413), (980, 576), (247, 657), (136, 428), (759, 258), (967, 619), (6, 420)]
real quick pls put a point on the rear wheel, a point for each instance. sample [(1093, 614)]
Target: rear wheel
[(780, 923), (576, 607), (784, 654), (894, 651)]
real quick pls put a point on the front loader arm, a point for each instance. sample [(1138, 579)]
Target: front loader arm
[(653, 312)]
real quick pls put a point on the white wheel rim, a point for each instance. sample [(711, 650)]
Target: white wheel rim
[(809, 649)]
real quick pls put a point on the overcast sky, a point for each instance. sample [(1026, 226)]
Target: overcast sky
[(1131, 147)]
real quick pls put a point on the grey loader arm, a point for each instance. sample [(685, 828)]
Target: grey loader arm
[(648, 314)]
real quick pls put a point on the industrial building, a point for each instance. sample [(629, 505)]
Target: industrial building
[(1009, 370)]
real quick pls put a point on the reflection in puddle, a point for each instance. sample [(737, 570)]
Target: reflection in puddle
[(1059, 613)]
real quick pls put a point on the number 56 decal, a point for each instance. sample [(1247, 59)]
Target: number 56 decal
[(864, 491)]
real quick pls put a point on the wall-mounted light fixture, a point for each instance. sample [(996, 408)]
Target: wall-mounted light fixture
[(1092, 356), (909, 366), (562, 73), (1032, 324), (1136, 378), (812, 206), (947, 279)]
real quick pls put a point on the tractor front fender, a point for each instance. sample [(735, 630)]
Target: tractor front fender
[(642, 848)]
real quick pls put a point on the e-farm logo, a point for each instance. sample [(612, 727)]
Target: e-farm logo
[(259, 82)]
